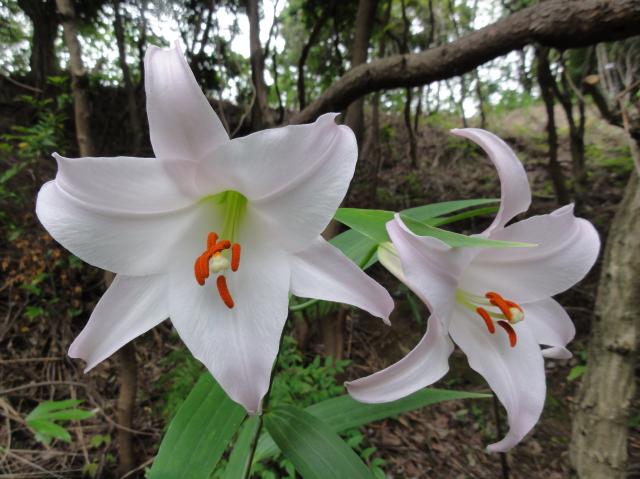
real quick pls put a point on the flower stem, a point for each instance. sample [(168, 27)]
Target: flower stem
[(252, 449)]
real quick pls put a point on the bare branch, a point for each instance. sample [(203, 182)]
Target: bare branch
[(555, 23)]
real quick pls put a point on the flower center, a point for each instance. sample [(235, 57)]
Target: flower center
[(215, 260), (493, 307)]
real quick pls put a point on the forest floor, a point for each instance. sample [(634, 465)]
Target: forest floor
[(46, 297)]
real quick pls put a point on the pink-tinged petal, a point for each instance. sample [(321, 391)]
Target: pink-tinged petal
[(130, 307), (430, 267), (567, 249), (125, 243), (182, 123), (294, 177), (238, 345), (322, 272), (128, 185), (515, 196), (423, 366), (516, 374), (551, 326)]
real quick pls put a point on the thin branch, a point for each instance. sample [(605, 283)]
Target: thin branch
[(556, 23)]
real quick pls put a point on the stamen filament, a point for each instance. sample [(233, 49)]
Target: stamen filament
[(223, 290)]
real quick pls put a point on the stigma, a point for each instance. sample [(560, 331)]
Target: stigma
[(494, 309), (215, 260)]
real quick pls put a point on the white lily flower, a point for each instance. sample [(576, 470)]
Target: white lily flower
[(495, 303), (213, 233)]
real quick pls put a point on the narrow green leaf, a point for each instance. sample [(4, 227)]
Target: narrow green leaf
[(47, 430), (457, 240), (199, 433), (312, 446), (357, 247), (434, 210), (343, 412), (68, 415), (370, 223), (47, 406), (445, 220), (239, 460)]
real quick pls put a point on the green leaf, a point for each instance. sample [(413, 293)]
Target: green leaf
[(42, 419), (456, 240), (343, 412), (312, 446), (370, 223), (576, 372), (199, 433), (47, 430), (357, 247), (445, 220), (239, 460), (434, 210)]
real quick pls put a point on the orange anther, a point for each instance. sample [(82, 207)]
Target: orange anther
[(513, 337), (196, 268), (225, 244), (221, 282), (211, 240), (487, 319), (235, 257), (500, 302)]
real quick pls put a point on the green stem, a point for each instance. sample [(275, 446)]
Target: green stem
[(252, 450)]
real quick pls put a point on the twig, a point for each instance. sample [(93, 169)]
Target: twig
[(29, 360), (43, 383), (21, 85), (141, 466), (33, 464)]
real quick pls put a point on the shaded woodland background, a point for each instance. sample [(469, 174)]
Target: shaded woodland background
[(558, 80)]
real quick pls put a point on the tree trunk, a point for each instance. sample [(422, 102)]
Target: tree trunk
[(260, 114), (413, 147), (79, 78), (600, 423), (545, 80), (364, 25), (313, 39), (45, 29), (134, 118), (128, 372), (128, 367)]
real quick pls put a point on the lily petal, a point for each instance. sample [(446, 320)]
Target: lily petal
[(567, 249), (322, 272), (130, 307), (551, 326), (182, 123), (516, 374), (124, 242), (238, 345), (515, 195), (294, 177), (424, 365), (430, 267), (128, 185)]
